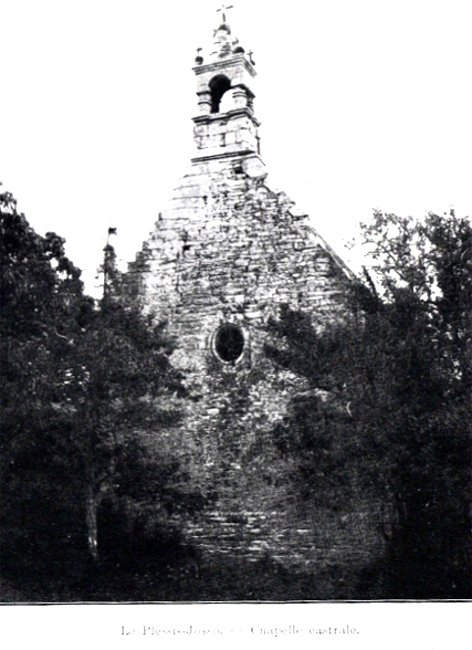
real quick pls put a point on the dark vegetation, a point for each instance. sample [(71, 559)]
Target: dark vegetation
[(86, 387), (389, 413), (89, 496)]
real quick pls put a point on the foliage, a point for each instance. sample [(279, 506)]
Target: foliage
[(87, 389), (42, 308), (387, 414), (424, 267)]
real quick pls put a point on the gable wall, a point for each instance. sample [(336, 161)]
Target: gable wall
[(228, 249)]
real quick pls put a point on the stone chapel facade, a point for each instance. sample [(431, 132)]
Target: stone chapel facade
[(223, 259)]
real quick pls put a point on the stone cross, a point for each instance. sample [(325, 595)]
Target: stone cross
[(224, 8)]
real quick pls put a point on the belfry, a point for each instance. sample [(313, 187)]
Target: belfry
[(223, 259)]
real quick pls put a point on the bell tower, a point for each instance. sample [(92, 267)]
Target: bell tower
[(225, 125)]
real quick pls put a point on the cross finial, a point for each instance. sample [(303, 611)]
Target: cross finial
[(223, 9)]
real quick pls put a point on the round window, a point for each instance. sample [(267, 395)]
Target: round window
[(229, 343)]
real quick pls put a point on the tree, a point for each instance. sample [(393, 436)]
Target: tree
[(424, 271), (42, 309), (424, 267), (122, 386), (388, 412), (87, 389)]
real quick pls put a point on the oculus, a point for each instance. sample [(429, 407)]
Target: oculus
[(228, 343)]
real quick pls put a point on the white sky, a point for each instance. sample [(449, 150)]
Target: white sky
[(363, 105)]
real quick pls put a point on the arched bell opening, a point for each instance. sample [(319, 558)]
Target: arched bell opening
[(218, 86)]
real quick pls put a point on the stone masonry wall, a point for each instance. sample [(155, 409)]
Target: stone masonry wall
[(230, 250)]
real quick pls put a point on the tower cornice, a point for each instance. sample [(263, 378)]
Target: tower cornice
[(224, 117), (224, 64), (241, 154)]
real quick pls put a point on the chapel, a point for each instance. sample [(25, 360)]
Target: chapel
[(224, 258)]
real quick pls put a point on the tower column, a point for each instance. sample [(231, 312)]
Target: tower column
[(239, 97), (204, 102)]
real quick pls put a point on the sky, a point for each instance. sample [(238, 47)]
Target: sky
[(364, 105)]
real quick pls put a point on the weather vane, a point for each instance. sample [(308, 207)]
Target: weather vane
[(223, 9)]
